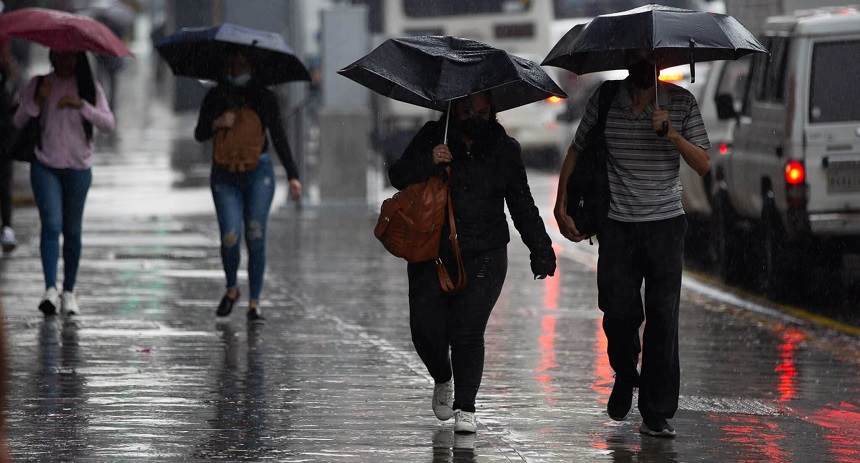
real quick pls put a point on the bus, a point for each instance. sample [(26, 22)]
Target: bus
[(525, 28)]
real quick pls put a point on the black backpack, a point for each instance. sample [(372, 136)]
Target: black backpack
[(23, 142), (588, 185)]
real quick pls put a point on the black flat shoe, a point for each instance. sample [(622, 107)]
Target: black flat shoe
[(226, 305), (255, 315)]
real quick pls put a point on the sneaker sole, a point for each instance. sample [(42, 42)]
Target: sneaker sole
[(48, 308), (445, 414), (619, 418), (465, 429), (650, 432)]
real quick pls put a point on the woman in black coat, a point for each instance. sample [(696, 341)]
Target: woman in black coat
[(487, 171)]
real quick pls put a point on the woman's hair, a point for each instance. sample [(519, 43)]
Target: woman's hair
[(86, 83)]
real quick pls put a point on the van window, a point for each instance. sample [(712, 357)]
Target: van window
[(770, 71), (733, 80), (834, 91)]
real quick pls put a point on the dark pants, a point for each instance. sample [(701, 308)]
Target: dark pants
[(631, 253), (440, 320), (6, 170)]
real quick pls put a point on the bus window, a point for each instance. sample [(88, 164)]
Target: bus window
[(424, 9), (590, 8)]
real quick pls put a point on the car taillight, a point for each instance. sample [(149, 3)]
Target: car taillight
[(668, 75), (725, 148), (795, 185), (554, 100), (795, 173)]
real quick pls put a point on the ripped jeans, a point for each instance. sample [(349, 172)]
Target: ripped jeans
[(242, 203)]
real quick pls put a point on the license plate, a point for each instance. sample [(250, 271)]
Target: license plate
[(843, 180)]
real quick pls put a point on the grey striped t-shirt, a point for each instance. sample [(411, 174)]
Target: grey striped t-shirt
[(644, 180)]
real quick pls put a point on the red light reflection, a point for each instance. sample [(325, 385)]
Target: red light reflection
[(546, 340), (842, 430), (603, 379), (786, 369), (757, 436)]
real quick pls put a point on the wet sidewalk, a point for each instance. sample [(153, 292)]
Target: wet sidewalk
[(146, 373)]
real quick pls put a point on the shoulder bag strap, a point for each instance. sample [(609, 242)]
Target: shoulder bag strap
[(444, 278)]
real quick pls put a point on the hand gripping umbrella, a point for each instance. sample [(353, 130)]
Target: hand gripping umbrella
[(677, 36), (61, 31), (199, 52), (431, 71)]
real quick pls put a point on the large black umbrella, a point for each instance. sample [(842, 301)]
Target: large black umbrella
[(199, 52), (430, 71), (678, 36)]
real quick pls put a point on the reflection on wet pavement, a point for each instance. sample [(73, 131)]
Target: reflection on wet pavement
[(147, 374)]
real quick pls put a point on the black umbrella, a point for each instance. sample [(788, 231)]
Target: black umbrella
[(678, 36), (430, 71), (199, 52)]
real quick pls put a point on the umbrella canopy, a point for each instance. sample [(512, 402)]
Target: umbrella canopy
[(199, 52), (678, 36), (430, 71), (61, 31)]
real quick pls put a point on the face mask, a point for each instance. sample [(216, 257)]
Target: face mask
[(641, 74), (476, 127), (239, 81)]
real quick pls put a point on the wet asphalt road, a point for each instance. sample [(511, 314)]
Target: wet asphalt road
[(146, 373)]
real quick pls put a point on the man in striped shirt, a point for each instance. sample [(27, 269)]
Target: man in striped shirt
[(643, 236)]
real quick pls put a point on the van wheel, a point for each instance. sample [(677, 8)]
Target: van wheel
[(774, 277), (726, 250)]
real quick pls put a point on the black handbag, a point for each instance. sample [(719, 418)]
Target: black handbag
[(23, 143), (588, 184)]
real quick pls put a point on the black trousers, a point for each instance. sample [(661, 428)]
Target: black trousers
[(6, 169), (630, 253), (448, 329)]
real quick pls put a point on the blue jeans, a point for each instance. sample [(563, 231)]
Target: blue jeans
[(242, 203), (60, 196)]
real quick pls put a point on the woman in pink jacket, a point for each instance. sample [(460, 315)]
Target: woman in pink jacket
[(69, 103)]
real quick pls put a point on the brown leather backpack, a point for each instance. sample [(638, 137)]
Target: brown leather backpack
[(238, 148), (410, 226)]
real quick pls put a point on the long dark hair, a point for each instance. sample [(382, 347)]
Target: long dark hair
[(86, 83)]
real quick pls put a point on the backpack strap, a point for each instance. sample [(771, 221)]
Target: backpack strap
[(39, 80), (604, 101)]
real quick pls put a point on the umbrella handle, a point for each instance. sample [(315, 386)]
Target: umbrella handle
[(447, 119), (665, 129)]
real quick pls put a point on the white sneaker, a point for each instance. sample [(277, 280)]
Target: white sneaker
[(50, 302), (443, 398), (7, 239), (465, 422), (70, 303)]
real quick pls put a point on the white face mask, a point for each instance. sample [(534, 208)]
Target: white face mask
[(240, 80)]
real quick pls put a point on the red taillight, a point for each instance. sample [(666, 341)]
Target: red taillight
[(671, 75), (554, 100), (725, 148), (795, 173)]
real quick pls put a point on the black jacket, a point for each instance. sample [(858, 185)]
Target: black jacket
[(262, 101), (481, 183)]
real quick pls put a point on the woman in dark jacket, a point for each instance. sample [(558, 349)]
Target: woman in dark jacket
[(487, 171), (243, 196)]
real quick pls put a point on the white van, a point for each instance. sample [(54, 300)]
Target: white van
[(790, 190), (716, 80)]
